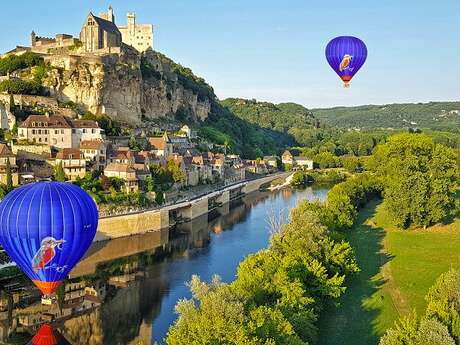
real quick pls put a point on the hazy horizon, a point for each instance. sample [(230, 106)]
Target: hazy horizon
[(273, 51)]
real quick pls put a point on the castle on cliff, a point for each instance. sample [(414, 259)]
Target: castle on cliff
[(99, 34)]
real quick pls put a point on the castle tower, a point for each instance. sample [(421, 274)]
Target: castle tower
[(33, 38), (110, 16), (139, 36)]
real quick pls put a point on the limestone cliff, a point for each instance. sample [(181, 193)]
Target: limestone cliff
[(129, 86)]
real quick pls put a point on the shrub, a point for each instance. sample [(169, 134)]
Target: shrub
[(19, 86)]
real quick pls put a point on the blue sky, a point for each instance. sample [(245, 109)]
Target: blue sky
[(274, 50)]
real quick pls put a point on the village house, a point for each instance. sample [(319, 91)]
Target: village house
[(95, 153), (124, 155), (256, 167), (142, 171), (287, 158), (125, 172), (58, 131), (5, 156), (161, 146), (188, 132), (85, 130), (271, 161), (234, 173), (73, 162), (296, 161), (305, 162)]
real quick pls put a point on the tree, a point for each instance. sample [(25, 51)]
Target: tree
[(420, 179), (300, 178), (59, 174), (9, 176), (444, 302), (177, 173)]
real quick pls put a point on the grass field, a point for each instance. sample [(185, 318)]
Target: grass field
[(397, 269)]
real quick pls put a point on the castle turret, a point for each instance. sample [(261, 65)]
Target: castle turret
[(33, 39), (110, 16)]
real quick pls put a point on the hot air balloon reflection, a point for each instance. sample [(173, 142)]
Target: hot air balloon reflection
[(46, 228), (47, 335), (346, 55)]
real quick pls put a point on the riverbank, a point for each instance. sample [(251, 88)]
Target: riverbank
[(160, 218)]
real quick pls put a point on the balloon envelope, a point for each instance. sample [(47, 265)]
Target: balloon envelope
[(346, 55), (46, 227), (46, 335)]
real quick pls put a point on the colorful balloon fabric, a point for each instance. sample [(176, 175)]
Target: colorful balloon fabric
[(46, 335), (346, 55), (46, 228)]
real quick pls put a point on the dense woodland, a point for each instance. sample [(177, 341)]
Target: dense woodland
[(436, 115)]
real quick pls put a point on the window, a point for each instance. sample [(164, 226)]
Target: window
[(56, 132), (62, 131), (46, 139), (84, 130), (33, 131), (39, 131), (40, 139), (93, 131), (73, 130)]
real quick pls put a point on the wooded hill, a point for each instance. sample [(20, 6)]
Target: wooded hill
[(435, 115)]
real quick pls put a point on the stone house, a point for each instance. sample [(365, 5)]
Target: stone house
[(100, 33), (85, 130), (5, 156), (73, 162), (125, 172), (189, 133), (58, 131), (234, 173), (271, 161), (287, 158), (161, 145), (48, 130), (124, 155), (296, 161), (256, 167), (305, 162), (95, 153)]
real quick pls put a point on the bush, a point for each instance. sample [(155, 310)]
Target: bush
[(13, 63), (19, 86)]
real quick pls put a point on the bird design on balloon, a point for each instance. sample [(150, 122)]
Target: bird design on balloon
[(46, 253), (345, 63)]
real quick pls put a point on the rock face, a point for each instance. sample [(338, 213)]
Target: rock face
[(127, 86)]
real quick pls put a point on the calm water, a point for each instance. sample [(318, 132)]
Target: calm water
[(142, 311)]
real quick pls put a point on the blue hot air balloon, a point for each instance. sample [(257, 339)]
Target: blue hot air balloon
[(346, 55), (46, 227)]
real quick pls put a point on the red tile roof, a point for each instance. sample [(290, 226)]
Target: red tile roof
[(69, 153), (54, 121), (5, 151), (91, 144), (158, 143)]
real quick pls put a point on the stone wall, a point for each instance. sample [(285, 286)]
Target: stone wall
[(130, 224)]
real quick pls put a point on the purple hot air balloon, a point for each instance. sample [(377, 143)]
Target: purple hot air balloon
[(346, 55)]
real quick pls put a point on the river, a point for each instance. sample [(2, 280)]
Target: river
[(151, 270)]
